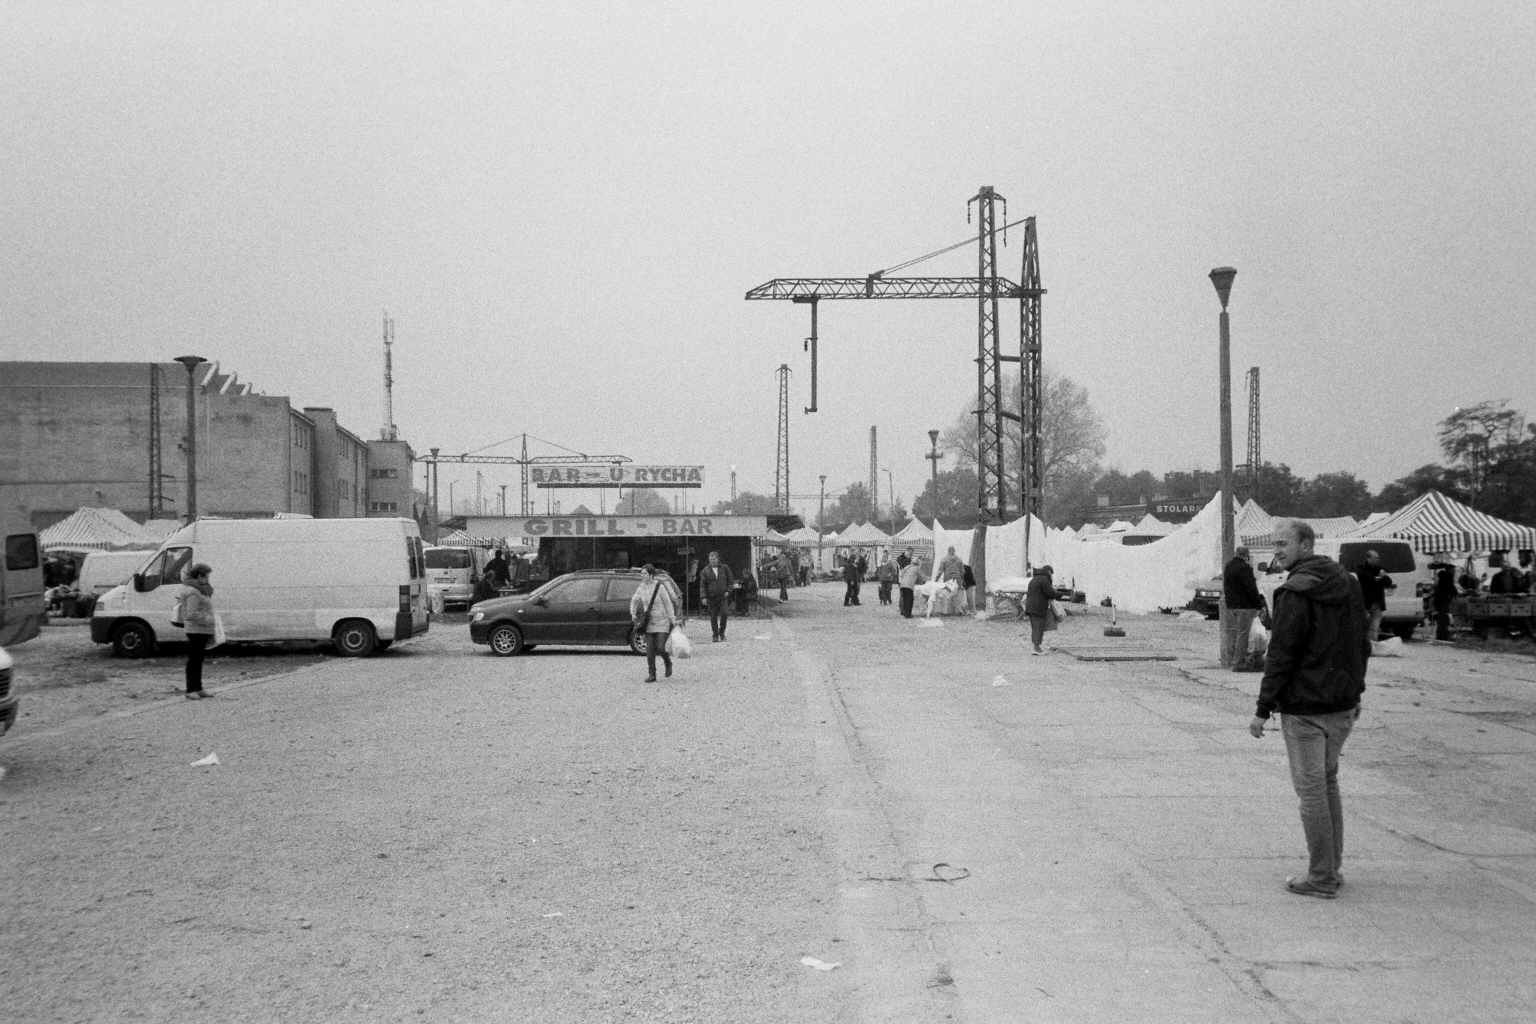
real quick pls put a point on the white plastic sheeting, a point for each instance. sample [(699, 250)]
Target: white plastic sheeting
[(1141, 578)]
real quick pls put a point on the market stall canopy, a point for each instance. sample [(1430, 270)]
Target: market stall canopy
[(99, 529), (775, 539), (1433, 523), (863, 535), (913, 532), (805, 537), (1254, 526)]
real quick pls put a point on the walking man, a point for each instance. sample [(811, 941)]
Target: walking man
[(851, 578), (1037, 605), (715, 583), (1240, 593), (1314, 675), (1374, 585)]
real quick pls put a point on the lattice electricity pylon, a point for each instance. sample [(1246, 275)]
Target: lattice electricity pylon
[(991, 483), (1253, 433), (1031, 382), (781, 465)]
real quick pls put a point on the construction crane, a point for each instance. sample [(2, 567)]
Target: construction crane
[(987, 288), (522, 461)]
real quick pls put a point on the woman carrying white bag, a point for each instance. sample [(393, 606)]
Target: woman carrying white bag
[(195, 609), (654, 614)]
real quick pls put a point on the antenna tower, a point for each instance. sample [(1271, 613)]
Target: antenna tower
[(874, 478), (389, 433), (1253, 433), (156, 469), (992, 489), (781, 466)]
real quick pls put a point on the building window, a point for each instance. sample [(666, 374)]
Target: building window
[(383, 506), (383, 474)]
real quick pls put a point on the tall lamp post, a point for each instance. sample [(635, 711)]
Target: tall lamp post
[(934, 457), (191, 363), (1222, 277)]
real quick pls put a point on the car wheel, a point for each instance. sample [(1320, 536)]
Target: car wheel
[(355, 639), (637, 642), (133, 640), (1404, 631), (506, 640)]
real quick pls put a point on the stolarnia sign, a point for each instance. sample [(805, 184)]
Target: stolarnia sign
[(617, 475)]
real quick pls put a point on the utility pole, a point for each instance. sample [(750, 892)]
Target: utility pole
[(1253, 433), (991, 496), (821, 519), (733, 489), (503, 499), (1031, 386), (933, 457), (1222, 277), (437, 513), (191, 363), (156, 466), (891, 484), (874, 479), (389, 433), (781, 465)]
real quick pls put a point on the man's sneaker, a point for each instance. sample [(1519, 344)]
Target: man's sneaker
[(1303, 887)]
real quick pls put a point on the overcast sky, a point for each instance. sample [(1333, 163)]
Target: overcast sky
[(562, 205)]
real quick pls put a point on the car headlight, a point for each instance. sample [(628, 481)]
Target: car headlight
[(477, 616)]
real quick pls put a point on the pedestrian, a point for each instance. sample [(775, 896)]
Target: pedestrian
[(1314, 675), (851, 578), (782, 567), (905, 559), (715, 583), (746, 594), (909, 577), (1244, 603), (951, 568), (499, 569), (1037, 605), (1444, 593), (968, 582), (485, 589), (195, 612), (654, 613), (887, 574), (1374, 584)]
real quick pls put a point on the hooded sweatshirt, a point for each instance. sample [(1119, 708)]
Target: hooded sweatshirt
[(197, 606), (1318, 650)]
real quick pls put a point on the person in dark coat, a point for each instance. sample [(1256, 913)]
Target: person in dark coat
[(715, 583), (1037, 605), (887, 574), (1374, 584), (499, 569), (1314, 674), (1240, 593), (1440, 600), (851, 578)]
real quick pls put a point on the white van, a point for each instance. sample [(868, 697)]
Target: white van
[(1405, 608), (360, 583), (103, 570), (455, 570)]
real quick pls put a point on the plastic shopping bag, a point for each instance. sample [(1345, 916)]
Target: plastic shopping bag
[(219, 637), (1258, 638), (678, 645)]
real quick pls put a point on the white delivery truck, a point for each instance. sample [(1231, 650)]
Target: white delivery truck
[(1404, 605), (360, 583)]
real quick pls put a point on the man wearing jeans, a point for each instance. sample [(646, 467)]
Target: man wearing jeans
[(1314, 675)]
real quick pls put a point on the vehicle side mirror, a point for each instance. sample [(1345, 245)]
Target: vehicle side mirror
[(1264, 567), (138, 582), (541, 602)]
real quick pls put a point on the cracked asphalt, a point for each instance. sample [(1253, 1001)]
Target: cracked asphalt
[(435, 834)]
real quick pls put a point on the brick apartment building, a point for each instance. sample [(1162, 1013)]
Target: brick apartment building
[(114, 434)]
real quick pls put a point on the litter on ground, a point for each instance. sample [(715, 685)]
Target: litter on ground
[(207, 762), (930, 623), (1000, 680), (820, 965)]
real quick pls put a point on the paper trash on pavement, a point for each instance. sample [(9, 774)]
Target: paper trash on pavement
[(820, 965), (999, 680), (207, 762)]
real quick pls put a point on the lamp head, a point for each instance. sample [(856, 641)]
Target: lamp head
[(190, 361), (933, 438), (1222, 277)]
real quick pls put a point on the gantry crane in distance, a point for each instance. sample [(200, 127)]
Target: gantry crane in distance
[(523, 461), (987, 288)]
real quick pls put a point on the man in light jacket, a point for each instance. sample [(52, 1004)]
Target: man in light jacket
[(715, 583), (909, 578)]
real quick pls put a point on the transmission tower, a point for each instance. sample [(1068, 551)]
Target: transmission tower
[(874, 478), (781, 466), (991, 489), (1031, 386), (156, 469), (1253, 433)]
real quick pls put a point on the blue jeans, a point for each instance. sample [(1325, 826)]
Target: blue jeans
[(1313, 743)]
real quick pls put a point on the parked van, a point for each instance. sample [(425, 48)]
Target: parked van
[(1405, 609), (103, 570), (21, 604), (455, 570), (360, 583)]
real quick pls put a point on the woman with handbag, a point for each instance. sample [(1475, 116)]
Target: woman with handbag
[(654, 614), (196, 612)]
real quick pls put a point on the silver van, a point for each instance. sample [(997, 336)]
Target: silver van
[(1405, 608)]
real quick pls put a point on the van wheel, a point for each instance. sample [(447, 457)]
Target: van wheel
[(133, 640), (355, 639), (637, 642), (1404, 631), (506, 640)]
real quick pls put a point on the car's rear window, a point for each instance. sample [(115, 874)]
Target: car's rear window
[(622, 588), (1395, 557), (448, 558)]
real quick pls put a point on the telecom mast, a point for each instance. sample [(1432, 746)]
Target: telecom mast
[(389, 432), (874, 478), (781, 466), (1253, 433)]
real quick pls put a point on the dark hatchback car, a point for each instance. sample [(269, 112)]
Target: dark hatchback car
[(581, 609)]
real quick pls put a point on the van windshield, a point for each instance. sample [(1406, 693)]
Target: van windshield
[(1396, 556), (447, 558)]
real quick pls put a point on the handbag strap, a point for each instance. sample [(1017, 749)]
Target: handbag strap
[(654, 594)]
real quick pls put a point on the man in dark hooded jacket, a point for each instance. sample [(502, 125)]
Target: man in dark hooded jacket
[(1314, 674)]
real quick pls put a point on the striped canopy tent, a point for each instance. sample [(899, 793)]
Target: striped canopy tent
[(805, 537), (913, 532), (1433, 523), (775, 539), (863, 535), (98, 529), (1254, 525)]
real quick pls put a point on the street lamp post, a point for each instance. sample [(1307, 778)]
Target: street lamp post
[(191, 363), (1222, 277), (821, 518), (890, 485), (934, 457)]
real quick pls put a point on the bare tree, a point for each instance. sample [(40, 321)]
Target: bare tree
[(1071, 437)]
